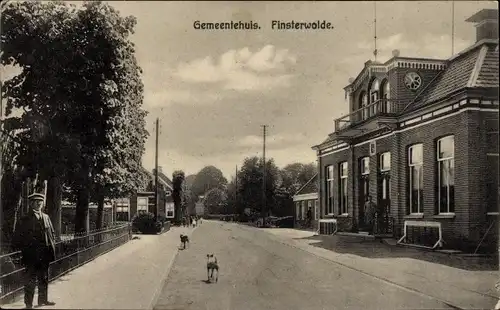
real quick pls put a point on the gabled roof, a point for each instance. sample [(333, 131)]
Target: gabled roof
[(310, 187), (165, 180), (476, 66)]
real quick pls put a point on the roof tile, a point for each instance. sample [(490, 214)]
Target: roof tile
[(488, 75)]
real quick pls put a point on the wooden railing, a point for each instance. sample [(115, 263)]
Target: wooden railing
[(381, 107)]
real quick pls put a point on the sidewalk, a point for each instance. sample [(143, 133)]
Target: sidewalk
[(465, 289), (129, 277)]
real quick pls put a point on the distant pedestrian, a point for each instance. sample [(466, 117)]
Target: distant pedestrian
[(194, 221), (34, 237), (370, 211), (309, 217)]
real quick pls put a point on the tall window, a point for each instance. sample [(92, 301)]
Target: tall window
[(374, 96), (385, 162), (142, 204), (364, 104), (343, 188), (316, 209), (329, 190), (122, 209), (446, 174), (416, 178), (385, 169), (386, 95), (297, 210), (365, 166)]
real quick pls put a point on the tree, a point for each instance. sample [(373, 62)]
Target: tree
[(178, 178), (296, 175), (215, 201), (208, 178), (80, 88), (250, 184)]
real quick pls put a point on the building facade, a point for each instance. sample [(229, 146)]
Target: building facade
[(421, 140), (304, 200), (144, 201)]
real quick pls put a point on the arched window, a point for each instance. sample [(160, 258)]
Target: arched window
[(374, 97), (363, 102), (374, 91), (385, 94)]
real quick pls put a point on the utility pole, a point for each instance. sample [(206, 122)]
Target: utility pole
[(264, 209), (156, 167), (236, 191)]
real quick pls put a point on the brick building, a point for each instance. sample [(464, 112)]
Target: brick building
[(422, 140), (144, 200), (306, 199)]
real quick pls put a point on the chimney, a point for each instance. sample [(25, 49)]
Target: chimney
[(486, 24)]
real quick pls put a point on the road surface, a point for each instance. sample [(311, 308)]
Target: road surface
[(257, 273)]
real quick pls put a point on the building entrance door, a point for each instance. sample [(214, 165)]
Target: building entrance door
[(364, 191), (383, 203)]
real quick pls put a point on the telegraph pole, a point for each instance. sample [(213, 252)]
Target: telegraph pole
[(156, 167), (264, 209), (236, 191)]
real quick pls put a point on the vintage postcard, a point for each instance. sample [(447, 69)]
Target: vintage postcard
[(249, 155)]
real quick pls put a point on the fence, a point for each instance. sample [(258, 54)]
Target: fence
[(70, 254)]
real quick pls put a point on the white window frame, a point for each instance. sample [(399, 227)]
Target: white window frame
[(147, 204), (381, 162), (329, 210), (420, 210), (367, 159), (440, 161), (343, 177)]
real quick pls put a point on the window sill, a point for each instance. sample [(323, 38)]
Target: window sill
[(492, 213), (414, 216), (343, 215), (444, 216)]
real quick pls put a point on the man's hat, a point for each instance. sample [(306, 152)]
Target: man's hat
[(36, 196)]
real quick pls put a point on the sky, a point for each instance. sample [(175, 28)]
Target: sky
[(212, 89)]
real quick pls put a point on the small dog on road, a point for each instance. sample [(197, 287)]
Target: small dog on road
[(184, 240), (212, 266)]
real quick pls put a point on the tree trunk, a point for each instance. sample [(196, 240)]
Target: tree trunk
[(82, 211), (100, 212), (54, 200)]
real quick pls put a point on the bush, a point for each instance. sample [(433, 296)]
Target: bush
[(146, 223)]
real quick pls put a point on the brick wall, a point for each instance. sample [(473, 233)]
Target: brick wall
[(471, 145)]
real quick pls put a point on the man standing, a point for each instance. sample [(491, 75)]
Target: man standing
[(34, 237), (309, 217), (370, 210)]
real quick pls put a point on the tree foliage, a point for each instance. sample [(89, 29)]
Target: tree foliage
[(296, 175), (215, 201), (250, 179), (178, 178), (208, 178), (81, 93)]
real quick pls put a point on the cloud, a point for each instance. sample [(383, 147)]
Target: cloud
[(273, 141), (241, 70), (426, 46), (168, 97)]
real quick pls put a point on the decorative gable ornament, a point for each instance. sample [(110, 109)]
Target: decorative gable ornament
[(412, 80)]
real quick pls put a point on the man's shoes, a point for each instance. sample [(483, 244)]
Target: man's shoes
[(46, 303), (29, 307)]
